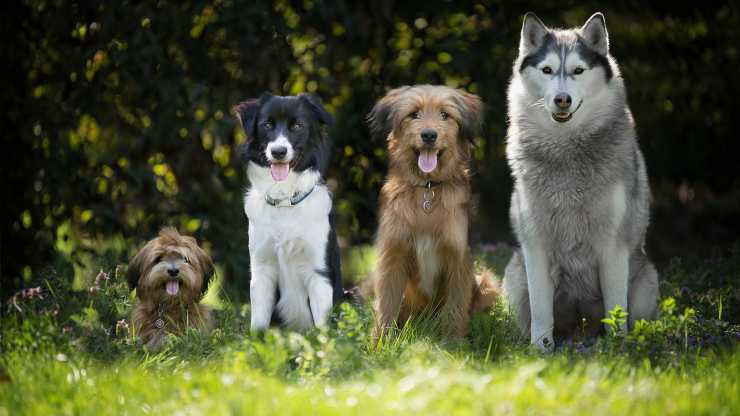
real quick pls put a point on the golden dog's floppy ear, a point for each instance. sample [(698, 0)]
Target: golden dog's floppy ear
[(204, 261), (470, 107), (136, 267), (383, 115)]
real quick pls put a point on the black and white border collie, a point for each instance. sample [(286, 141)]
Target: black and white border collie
[(293, 249)]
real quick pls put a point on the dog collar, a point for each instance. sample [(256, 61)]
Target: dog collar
[(430, 184), (288, 202)]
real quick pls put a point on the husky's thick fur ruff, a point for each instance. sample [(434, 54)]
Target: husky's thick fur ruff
[(422, 243), (580, 206)]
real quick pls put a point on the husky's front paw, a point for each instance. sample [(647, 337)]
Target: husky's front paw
[(544, 343), (258, 325)]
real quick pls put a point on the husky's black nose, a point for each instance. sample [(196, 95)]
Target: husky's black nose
[(429, 136), (173, 271), (279, 152), (563, 100)]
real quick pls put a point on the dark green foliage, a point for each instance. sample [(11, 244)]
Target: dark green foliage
[(117, 114)]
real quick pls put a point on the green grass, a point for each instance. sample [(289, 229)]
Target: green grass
[(63, 355)]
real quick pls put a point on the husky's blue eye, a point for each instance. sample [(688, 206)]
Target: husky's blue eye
[(547, 70), (578, 70)]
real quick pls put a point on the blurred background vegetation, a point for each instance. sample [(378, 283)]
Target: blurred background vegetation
[(117, 114)]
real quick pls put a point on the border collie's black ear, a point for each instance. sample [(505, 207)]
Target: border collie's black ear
[(314, 102), (471, 111), (135, 268), (246, 112), (382, 116)]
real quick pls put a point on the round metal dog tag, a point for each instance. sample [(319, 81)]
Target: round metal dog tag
[(428, 198), (159, 323)]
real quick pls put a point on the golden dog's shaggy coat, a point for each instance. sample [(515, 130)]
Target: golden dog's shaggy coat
[(170, 274), (423, 255)]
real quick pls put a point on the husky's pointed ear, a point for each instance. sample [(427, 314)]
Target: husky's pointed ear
[(470, 107), (533, 34), (317, 108), (595, 34), (382, 117)]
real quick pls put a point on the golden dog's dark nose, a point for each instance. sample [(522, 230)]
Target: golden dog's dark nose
[(173, 271)]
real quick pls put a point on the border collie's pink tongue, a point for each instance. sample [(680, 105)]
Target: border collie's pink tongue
[(279, 171), (173, 286), (428, 160)]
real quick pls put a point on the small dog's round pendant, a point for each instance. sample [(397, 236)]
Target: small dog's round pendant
[(159, 323)]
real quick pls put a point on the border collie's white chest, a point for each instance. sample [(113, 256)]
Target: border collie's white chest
[(287, 247), (302, 227)]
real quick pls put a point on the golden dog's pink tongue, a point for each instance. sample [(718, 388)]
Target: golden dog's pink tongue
[(279, 171), (427, 160), (173, 286)]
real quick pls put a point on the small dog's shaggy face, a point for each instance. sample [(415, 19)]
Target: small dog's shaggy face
[(170, 269), (429, 128)]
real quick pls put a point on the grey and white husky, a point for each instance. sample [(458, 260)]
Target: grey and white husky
[(580, 206)]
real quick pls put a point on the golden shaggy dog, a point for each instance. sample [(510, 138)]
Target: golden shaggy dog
[(170, 274), (422, 243)]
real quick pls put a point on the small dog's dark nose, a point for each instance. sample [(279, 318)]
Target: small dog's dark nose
[(429, 136), (173, 271), (563, 100), (279, 152)]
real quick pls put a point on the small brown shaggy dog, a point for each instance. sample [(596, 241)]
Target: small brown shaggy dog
[(170, 274), (422, 243)]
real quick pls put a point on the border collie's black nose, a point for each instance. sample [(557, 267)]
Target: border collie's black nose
[(279, 152), (173, 271), (429, 136), (563, 100)]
